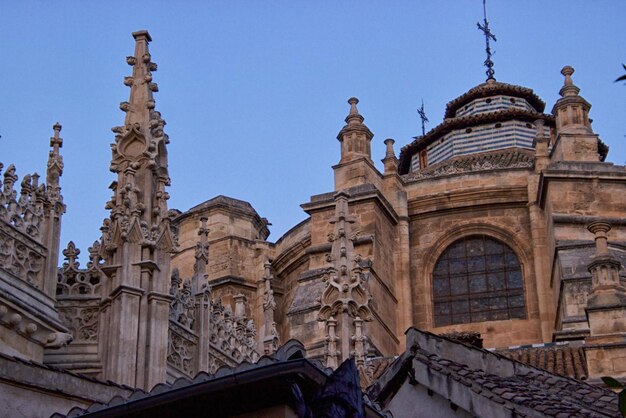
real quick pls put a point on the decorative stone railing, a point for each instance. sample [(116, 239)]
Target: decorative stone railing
[(182, 349), (78, 293), (204, 334), (74, 281), (232, 337)]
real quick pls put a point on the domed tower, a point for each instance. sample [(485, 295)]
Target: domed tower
[(491, 116)]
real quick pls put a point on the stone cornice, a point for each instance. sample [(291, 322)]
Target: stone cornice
[(135, 291), (494, 196), (357, 194), (235, 281), (29, 301), (577, 171)]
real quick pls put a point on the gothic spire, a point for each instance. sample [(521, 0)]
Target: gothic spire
[(141, 102), (137, 238), (140, 150)]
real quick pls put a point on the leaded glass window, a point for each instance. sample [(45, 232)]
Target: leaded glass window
[(477, 278)]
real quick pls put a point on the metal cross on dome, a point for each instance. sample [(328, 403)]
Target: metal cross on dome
[(423, 117), (488, 36)]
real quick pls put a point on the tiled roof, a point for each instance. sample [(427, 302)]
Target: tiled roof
[(492, 160), (527, 391), (463, 122), (492, 88), (563, 360), (474, 378)]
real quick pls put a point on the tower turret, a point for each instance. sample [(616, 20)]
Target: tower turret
[(356, 166), (575, 139), (137, 240), (355, 136)]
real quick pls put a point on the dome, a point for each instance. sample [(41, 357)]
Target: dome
[(490, 116)]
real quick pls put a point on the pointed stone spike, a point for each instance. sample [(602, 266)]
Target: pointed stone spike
[(141, 101)]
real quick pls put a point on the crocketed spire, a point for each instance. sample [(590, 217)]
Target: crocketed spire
[(141, 86), (137, 239)]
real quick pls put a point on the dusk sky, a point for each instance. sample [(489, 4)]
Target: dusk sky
[(255, 92)]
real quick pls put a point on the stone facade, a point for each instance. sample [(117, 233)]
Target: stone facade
[(473, 228)]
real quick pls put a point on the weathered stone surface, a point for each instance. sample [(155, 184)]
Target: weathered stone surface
[(168, 294)]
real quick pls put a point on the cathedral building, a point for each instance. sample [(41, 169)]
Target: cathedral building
[(497, 239)]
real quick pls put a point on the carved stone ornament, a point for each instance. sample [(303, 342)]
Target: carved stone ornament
[(19, 258), (180, 352), (81, 321), (503, 159), (182, 307), (271, 339), (74, 281), (345, 298), (233, 338)]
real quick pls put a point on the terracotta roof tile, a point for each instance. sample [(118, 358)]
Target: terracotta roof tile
[(560, 359), (491, 89), (530, 389)]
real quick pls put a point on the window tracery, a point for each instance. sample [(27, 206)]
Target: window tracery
[(477, 278)]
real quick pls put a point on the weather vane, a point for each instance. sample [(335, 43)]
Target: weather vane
[(488, 35), (423, 117)]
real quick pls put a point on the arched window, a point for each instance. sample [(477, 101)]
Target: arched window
[(477, 278)]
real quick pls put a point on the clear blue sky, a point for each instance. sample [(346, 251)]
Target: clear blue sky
[(254, 92)]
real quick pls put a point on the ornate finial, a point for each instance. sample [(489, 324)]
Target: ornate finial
[(353, 101), (55, 164), (56, 141), (423, 117), (568, 89), (390, 160), (600, 229), (488, 36), (353, 116), (71, 255), (389, 144)]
